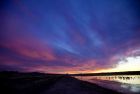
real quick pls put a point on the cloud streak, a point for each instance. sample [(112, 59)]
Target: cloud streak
[(67, 36)]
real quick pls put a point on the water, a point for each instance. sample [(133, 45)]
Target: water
[(128, 84)]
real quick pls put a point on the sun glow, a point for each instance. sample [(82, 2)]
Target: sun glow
[(128, 64)]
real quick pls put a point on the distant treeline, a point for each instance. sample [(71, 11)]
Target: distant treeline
[(80, 74), (108, 73), (25, 73)]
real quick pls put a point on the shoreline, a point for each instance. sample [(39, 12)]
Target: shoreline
[(48, 84)]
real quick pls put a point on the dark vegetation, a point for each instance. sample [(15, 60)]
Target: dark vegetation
[(26, 83), (109, 73), (40, 83)]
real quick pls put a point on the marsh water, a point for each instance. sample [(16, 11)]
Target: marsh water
[(128, 84)]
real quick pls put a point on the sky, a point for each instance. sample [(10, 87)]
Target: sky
[(69, 36)]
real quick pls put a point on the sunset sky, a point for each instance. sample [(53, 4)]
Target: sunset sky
[(69, 36)]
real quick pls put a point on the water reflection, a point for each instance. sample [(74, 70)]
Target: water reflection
[(122, 83), (130, 79), (134, 88)]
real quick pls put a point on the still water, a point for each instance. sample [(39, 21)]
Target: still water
[(128, 84)]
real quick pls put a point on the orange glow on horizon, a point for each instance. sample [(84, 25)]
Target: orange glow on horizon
[(129, 64)]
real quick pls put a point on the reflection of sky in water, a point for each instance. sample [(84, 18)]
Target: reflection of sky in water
[(133, 79), (130, 79), (133, 88), (127, 83)]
